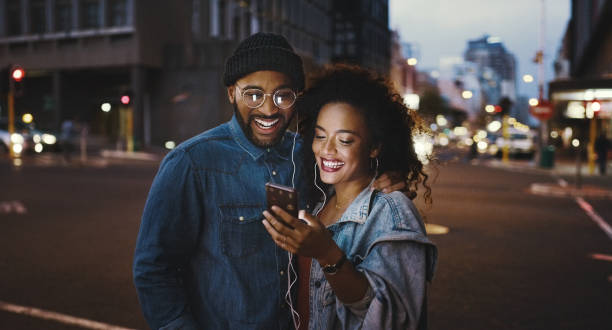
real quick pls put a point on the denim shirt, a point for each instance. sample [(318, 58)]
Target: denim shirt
[(203, 258), (384, 237)]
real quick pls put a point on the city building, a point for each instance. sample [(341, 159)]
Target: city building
[(582, 90), (403, 72), (496, 68), (361, 33), (460, 85), (583, 65), (167, 56)]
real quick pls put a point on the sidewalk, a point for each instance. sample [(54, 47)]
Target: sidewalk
[(569, 183)]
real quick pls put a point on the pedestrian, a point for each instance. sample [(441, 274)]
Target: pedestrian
[(203, 258), (366, 253), (67, 139), (602, 145)]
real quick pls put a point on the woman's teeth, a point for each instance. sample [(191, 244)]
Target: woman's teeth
[(265, 123), (332, 164)]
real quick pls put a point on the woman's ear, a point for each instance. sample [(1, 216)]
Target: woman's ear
[(375, 151), (231, 93)]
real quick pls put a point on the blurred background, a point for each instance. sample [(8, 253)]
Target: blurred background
[(517, 97)]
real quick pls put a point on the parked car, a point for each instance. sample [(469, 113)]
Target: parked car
[(26, 137), (19, 138), (520, 144)]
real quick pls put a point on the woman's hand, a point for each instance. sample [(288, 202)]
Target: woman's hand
[(308, 238)]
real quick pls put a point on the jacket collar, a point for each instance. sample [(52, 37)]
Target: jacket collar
[(282, 149), (359, 208)]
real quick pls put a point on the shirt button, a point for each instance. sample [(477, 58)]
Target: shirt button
[(273, 172), (317, 284), (241, 218)]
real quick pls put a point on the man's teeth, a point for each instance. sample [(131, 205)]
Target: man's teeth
[(332, 164), (266, 123)]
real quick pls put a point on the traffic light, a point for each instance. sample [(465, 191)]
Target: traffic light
[(16, 80), (125, 99)]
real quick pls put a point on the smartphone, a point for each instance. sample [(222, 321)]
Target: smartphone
[(282, 196)]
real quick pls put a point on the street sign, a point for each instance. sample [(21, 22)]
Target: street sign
[(542, 111)]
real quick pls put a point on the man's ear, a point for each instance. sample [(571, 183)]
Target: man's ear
[(231, 93)]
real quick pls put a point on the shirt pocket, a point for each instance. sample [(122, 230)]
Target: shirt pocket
[(242, 233)]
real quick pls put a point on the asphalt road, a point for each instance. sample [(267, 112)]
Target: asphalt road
[(511, 260)]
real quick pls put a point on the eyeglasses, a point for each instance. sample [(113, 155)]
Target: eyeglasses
[(283, 98)]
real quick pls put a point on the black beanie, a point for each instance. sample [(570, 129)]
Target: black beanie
[(264, 51)]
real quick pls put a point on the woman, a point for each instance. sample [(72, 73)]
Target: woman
[(371, 258)]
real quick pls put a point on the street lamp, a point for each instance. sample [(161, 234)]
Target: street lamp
[(106, 107), (27, 118), (490, 108), (412, 61), (533, 102), (527, 78), (467, 95)]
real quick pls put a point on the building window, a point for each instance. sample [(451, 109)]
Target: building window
[(117, 13), (63, 15), (38, 21), (90, 14), (13, 18)]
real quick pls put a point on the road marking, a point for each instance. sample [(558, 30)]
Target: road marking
[(594, 216), (599, 256), (62, 318), (433, 229), (12, 207)]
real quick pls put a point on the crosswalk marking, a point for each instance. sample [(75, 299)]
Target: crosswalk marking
[(17, 207)]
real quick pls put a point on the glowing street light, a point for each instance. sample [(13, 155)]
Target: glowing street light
[(490, 108), (467, 95), (412, 61), (533, 102), (528, 78), (27, 118), (106, 107)]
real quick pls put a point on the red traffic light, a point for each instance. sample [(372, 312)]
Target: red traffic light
[(125, 99), (17, 74)]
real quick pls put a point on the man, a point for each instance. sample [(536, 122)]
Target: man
[(203, 258)]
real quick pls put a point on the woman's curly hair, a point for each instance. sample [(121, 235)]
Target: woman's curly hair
[(391, 124)]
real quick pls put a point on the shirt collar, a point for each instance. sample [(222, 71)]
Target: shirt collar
[(282, 149)]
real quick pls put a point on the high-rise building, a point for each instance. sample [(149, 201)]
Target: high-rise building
[(361, 33), (496, 68), (168, 55)]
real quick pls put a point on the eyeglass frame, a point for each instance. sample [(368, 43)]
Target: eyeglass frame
[(241, 92)]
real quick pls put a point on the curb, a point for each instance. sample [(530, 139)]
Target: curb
[(133, 155)]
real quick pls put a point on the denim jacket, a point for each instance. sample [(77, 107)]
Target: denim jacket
[(203, 258), (384, 237)]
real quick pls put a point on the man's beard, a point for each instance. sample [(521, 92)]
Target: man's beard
[(248, 131)]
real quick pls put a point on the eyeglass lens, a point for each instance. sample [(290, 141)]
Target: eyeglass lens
[(283, 98)]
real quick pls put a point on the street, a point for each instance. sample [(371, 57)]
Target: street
[(511, 259)]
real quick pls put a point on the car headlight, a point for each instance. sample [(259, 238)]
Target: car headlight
[(17, 138), (49, 138)]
